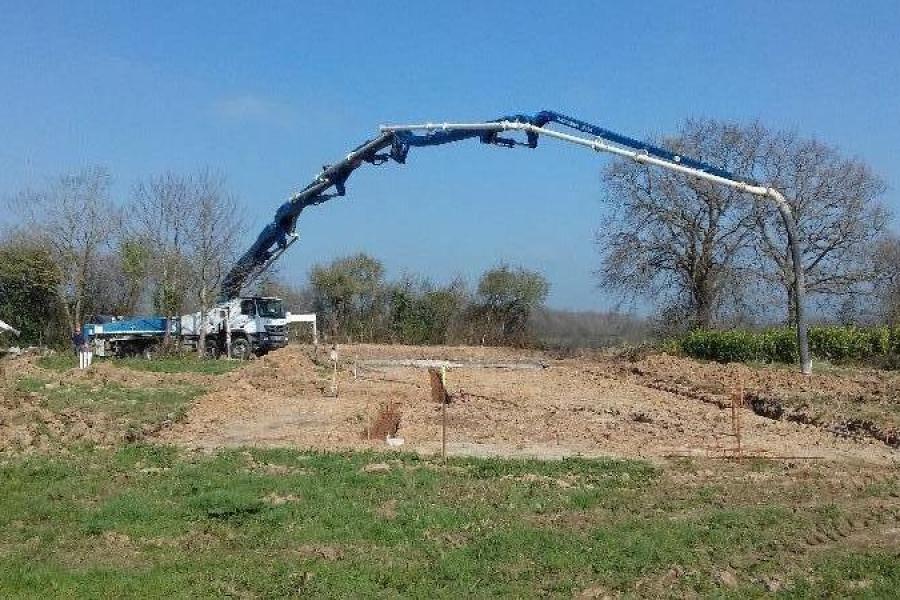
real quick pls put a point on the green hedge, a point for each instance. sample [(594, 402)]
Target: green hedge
[(833, 343)]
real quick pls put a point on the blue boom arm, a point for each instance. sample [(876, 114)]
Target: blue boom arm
[(394, 145)]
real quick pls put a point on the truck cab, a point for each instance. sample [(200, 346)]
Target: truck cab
[(256, 325)]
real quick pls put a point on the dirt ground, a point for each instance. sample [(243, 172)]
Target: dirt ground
[(849, 401), (590, 406)]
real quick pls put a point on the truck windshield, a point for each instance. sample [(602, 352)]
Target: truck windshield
[(270, 308)]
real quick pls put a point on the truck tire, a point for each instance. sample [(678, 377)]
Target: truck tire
[(212, 351), (240, 349), (150, 351)]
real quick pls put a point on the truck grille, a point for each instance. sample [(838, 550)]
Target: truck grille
[(276, 329)]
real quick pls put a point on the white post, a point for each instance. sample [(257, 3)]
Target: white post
[(334, 363), (228, 331)]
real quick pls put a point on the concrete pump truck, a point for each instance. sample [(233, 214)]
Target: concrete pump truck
[(246, 325)]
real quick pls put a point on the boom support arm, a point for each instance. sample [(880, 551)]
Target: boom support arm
[(398, 139)]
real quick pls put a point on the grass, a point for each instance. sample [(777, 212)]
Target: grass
[(58, 415), (172, 364), (58, 361), (146, 521), (128, 405), (180, 364)]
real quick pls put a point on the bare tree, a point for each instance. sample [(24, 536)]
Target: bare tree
[(836, 203), (211, 239), (296, 298), (705, 249), (162, 210), (677, 239), (189, 223), (75, 218), (887, 284)]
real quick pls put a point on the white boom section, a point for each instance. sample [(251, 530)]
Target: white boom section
[(597, 145), (600, 145)]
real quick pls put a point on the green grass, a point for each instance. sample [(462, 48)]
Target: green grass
[(173, 364), (180, 364), (58, 361), (130, 407), (145, 521)]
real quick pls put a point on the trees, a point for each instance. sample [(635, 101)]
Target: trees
[(29, 301), (211, 239), (677, 239), (119, 280), (75, 219), (134, 269), (505, 300), (189, 225), (445, 306), (356, 303), (296, 298), (836, 202), (349, 294), (422, 313), (887, 286), (704, 250), (160, 211)]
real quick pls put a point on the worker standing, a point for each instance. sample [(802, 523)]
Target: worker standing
[(82, 349)]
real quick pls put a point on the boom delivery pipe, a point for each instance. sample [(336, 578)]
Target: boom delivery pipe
[(279, 234)]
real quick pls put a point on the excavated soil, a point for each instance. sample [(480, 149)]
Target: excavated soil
[(598, 406), (27, 425), (852, 402)]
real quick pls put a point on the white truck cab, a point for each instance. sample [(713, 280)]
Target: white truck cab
[(240, 327), (256, 326)]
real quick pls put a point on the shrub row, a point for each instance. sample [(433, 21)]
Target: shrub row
[(833, 343)]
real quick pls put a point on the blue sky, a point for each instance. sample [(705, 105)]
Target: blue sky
[(268, 92)]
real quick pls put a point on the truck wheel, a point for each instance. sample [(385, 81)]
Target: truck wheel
[(240, 349), (150, 351)]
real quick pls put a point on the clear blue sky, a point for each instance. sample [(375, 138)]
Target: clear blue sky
[(268, 92)]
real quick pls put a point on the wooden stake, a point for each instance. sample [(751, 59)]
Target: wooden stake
[(334, 361), (740, 407), (737, 403), (334, 384), (369, 414), (444, 415)]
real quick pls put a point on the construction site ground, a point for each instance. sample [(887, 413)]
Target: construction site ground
[(522, 403), (503, 402), (183, 477)]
